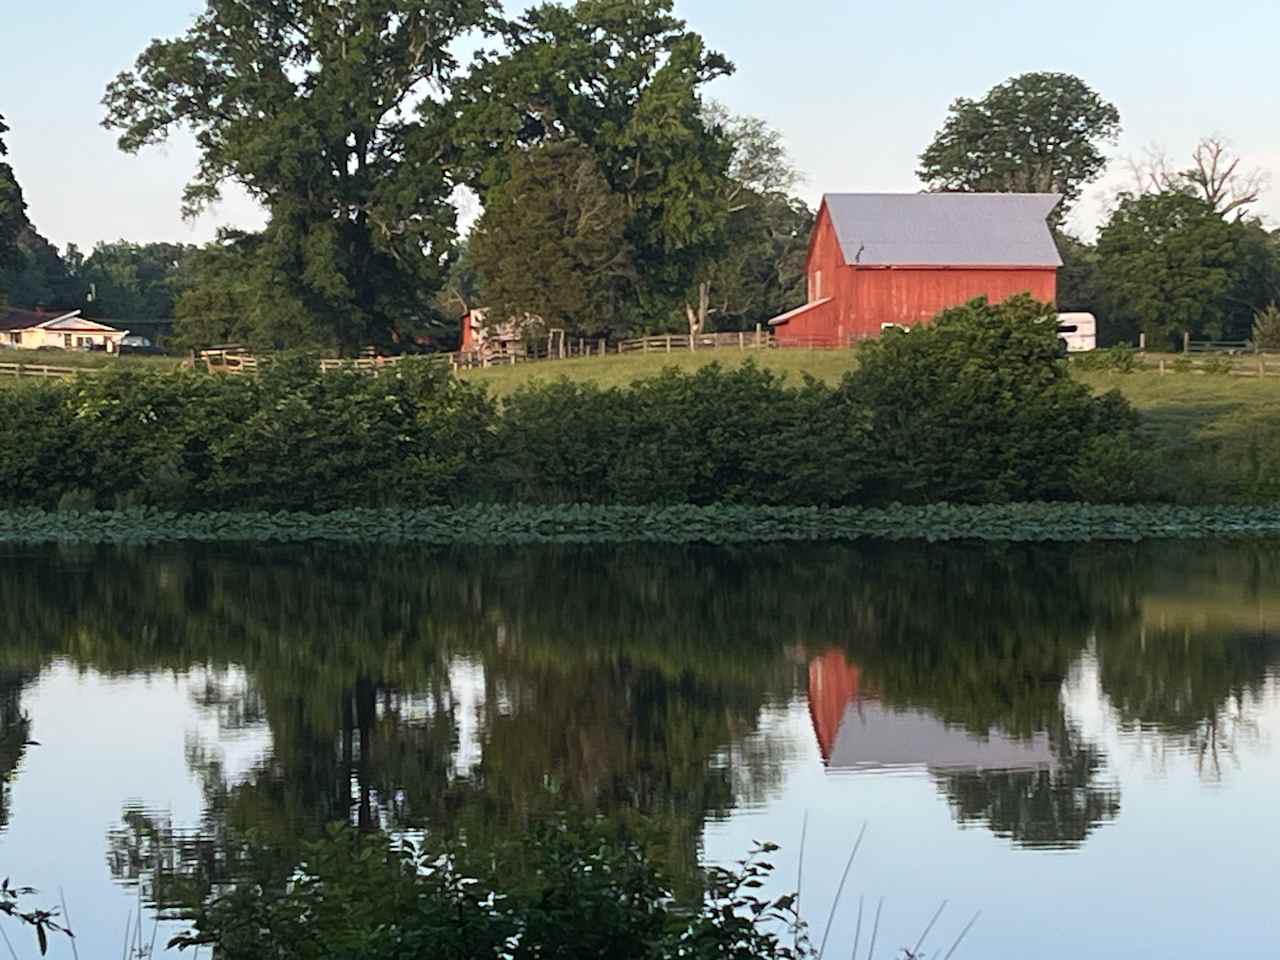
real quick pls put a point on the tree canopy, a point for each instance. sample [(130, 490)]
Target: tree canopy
[(624, 80), (333, 117), (760, 271), (1035, 133), (135, 281), (1172, 264), (551, 245), (13, 210)]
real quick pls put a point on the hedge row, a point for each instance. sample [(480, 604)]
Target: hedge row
[(521, 525), (977, 408)]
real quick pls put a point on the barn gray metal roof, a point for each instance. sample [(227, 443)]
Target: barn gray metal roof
[(945, 229)]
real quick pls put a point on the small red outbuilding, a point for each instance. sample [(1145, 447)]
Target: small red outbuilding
[(880, 260)]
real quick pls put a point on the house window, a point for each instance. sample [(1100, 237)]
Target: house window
[(15, 337), (66, 340)]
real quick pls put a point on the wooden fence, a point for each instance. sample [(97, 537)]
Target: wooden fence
[(1263, 364), (1201, 357), (42, 371)]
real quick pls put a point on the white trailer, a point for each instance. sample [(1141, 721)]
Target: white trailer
[(1077, 332)]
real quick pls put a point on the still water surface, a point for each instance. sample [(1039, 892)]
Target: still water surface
[(1080, 743)]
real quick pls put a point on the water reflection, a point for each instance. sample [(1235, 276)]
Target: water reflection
[(475, 691)]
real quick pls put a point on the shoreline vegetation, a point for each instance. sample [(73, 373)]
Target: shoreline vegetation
[(502, 524), (977, 409)]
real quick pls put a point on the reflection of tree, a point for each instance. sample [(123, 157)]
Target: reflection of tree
[(15, 732), (619, 681), (1056, 807), (1189, 690)]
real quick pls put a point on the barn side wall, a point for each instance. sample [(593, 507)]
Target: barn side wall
[(910, 297), (816, 326)]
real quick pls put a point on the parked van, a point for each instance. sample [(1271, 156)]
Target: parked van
[(1077, 332)]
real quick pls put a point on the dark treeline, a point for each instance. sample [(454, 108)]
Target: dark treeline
[(617, 196), (977, 408)]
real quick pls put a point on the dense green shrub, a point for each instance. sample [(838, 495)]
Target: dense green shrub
[(564, 893), (291, 439), (1266, 328), (312, 441), (714, 436), (979, 407), (1121, 358), (43, 455)]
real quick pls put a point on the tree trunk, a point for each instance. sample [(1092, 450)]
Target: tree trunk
[(698, 315)]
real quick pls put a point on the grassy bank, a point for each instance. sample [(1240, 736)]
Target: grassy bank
[(516, 525), (1215, 438), (617, 371)]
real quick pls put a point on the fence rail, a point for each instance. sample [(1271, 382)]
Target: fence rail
[(1264, 364), (43, 371), (1219, 346)]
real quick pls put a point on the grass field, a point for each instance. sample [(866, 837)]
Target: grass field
[(1215, 438), (617, 371), (82, 360)]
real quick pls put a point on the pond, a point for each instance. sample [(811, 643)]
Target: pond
[(1077, 743)]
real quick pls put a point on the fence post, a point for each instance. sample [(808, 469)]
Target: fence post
[(742, 340), (668, 343), (645, 342), (759, 329), (1262, 365), (1142, 342), (604, 347), (1186, 341), (1162, 366)]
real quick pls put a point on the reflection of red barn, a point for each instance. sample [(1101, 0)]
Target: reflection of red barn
[(898, 259), (857, 731), (834, 683)]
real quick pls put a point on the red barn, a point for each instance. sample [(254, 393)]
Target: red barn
[(877, 260)]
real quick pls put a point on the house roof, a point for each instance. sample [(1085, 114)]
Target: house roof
[(12, 318), (58, 321), (75, 322), (945, 229)]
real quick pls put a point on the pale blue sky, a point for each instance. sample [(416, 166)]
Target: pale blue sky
[(857, 88)]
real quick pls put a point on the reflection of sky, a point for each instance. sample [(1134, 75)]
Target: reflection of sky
[(1188, 869), (105, 743)]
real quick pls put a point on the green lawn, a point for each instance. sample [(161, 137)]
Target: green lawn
[(1215, 437), (81, 361), (616, 371)]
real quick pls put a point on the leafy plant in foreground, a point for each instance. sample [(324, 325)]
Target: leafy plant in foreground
[(44, 922), (574, 893)]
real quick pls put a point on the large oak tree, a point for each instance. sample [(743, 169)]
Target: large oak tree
[(334, 117), (624, 80), (1036, 133)]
